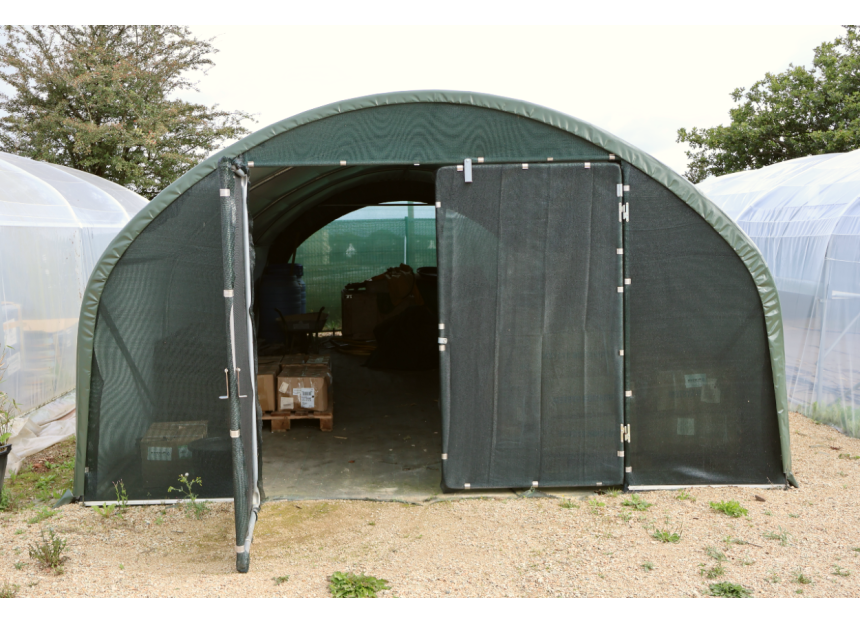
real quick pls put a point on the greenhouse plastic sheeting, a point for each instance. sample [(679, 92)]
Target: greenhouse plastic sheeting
[(55, 223), (804, 215)]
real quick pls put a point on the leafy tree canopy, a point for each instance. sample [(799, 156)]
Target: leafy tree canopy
[(799, 112), (99, 99)]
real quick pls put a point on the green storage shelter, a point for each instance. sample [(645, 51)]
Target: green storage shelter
[(600, 322)]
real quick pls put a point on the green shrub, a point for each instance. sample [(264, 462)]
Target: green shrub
[(730, 508), (349, 585), (728, 590)]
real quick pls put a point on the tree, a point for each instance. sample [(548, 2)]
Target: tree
[(99, 99), (799, 112)]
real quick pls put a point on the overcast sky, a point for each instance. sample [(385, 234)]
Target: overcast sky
[(640, 83)]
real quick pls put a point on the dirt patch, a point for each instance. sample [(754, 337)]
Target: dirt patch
[(798, 542)]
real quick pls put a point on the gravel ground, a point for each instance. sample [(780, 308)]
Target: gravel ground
[(478, 547)]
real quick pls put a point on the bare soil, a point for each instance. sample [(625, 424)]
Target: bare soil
[(795, 543)]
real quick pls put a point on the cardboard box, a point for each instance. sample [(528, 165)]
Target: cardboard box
[(165, 455), (266, 376), (360, 314), (303, 387)]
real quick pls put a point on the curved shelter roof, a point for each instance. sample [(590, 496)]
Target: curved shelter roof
[(54, 224), (309, 169), (804, 215)]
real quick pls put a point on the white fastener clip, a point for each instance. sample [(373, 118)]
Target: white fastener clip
[(612, 157), (627, 212), (588, 165), (459, 167), (234, 434), (441, 347), (626, 188), (619, 189), (441, 325), (443, 341), (444, 455), (525, 165), (225, 192), (627, 281), (417, 164), (240, 549), (620, 453), (620, 212), (621, 353), (438, 204), (467, 170), (480, 159), (549, 159), (467, 485), (534, 483), (628, 469), (621, 289), (619, 251), (599, 483), (628, 393), (250, 163), (228, 294), (343, 163)]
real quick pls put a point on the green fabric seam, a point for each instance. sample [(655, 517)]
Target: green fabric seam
[(682, 188)]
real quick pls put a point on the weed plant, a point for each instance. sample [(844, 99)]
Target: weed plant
[(349, 585), (711, 573), (728, 590), (281, 579), (49, 550), (595, 505), (781, 536), (42, 514), (186, 488), (838, 571), (685, 495), (568, 504), (648, 566), (715, 553), (799, 577), (7, 590), (666, 536), (637, 502), (731, 508)]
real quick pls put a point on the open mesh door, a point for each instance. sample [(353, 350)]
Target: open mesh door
[(531, 325), (240, 359)]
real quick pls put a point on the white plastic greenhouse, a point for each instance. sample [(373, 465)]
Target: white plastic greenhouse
[(55, 222), (804, 215)]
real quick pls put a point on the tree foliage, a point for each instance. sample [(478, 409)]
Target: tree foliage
[(100, 99), (799, 112)]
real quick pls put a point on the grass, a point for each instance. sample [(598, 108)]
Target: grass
[(685, 495), (637, 502), (19, 565), (349, 585), (281, 579), (39, 481), (648, 566), (42, 514), (840, 571), (568, 504), (666, 536), (595, 505), (49, 550), (711, 573), (781, 536), (7, 590), (773, 578), (731, 508), (715, 553), (799, 577), (186, 488), (625, 515), (728, 590)]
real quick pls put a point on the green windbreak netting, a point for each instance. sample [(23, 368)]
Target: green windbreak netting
[(353, 250), (702, 408), (159, 357), (531, 321)]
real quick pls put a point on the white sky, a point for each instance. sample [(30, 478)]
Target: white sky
[(640, 83)]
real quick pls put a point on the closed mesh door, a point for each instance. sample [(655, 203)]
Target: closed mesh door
[(531, 321)]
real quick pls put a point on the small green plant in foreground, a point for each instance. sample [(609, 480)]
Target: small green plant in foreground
[(666, 536), (7, 590), (840, 571), (349, 585), (19, 565), (186, 488), (799, 577), (715, 553), (648, 566), (637, 502), (595, 505), (49, 551), (281, 579), (105, 510), (42, 514), (728, 590), (568, 504), (781, 536), (712, 573), (731, 508), (6, 501), (685, 495), (625, 515)]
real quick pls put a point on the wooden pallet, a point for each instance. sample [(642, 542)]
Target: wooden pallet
[(281, 420)]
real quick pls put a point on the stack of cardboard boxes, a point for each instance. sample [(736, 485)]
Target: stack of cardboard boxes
[(294, 382)]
